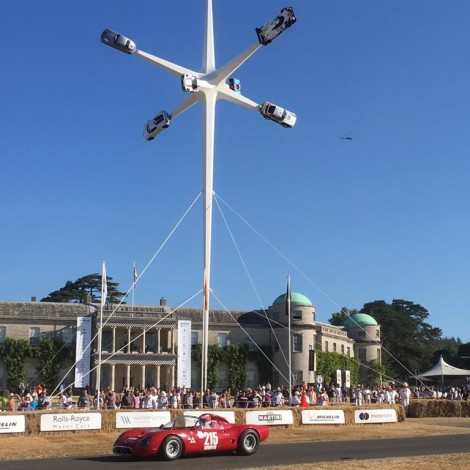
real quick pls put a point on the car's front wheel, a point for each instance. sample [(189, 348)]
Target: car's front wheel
[(248, 442), (172, 448)]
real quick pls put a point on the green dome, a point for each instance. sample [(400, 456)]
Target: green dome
[(299, 300), (360, 318)]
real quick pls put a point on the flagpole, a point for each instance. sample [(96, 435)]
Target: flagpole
[(104, 292), (133, 284), (290, 339)]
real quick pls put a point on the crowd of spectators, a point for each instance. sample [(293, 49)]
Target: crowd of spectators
[(36, 398)]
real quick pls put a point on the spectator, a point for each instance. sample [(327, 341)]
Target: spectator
[(12, 403), (324, 399), (295, 399), (43, 401), (127, 400), (110, 401), (405, 396), (162, 401), (278, 398)]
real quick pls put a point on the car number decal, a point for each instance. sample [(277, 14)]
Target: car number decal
[(211, 439)]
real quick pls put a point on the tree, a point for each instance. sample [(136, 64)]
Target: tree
[(51, 355), (15, 354), (90, 285), (329, 362), (338, 318), (408, 341)]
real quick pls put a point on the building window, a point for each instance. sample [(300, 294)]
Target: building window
[(297, 377), (377, 334), (222, 340), (379, 358), (194, 338), (334, 347), (296, 343), (250, 378), (276, 346), (67, 335), (362, 355), (34, 335), (3, 335), (107, 341), (342, 349), (326, 346), (297, 315), (348, 350)]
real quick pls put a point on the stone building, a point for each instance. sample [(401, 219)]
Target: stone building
[(139, 344)]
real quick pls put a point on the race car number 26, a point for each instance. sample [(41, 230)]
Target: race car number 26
[(211, 439)]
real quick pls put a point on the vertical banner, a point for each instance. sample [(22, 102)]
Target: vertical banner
[(82, 352), (184, 354), (339, 382), (347, 378)]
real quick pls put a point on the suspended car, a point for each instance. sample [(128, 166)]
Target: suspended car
[(274, 28), (234, 84), (156, 125), (278, 114), (189, 83), (118, 41)]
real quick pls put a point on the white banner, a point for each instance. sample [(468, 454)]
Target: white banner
[(270, 418), (12, 423), (347, 378), (228, 415), (70, 422), (82, 352), (184, 354), (339, 382), (142, 419), (323, 417), (375, 416)]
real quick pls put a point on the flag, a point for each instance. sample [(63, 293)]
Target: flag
[(288, 296), (135, 277), (104, 284)]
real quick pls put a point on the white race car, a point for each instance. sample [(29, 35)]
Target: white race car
[(277, 114), (160, 122), (189, 83)]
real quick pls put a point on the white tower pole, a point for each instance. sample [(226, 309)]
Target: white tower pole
[(210, 98)]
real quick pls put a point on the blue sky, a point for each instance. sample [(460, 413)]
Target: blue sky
[(380, 217)]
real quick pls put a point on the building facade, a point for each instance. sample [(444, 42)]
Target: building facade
[(139, 344)]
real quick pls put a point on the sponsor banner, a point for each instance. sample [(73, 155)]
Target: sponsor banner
[(347, 378), (142, 419), (70, 422), (12, 423), (338, 378), (270, 418), (375, 416), (184, 354), (82, 352), (228, 415), (323, 417)]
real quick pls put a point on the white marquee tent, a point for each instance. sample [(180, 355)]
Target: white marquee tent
[(442, 369)]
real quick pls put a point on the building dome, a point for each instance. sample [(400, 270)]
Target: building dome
[(360, 318), (296, 299)]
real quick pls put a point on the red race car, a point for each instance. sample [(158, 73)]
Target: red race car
[(186, 435)]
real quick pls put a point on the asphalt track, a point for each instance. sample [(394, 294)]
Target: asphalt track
[(267, 455)]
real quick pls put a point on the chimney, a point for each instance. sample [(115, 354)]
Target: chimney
[(33, 298), (163, 302)]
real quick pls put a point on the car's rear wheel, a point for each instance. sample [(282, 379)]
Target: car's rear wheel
[(172, 448), (248, 442)]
